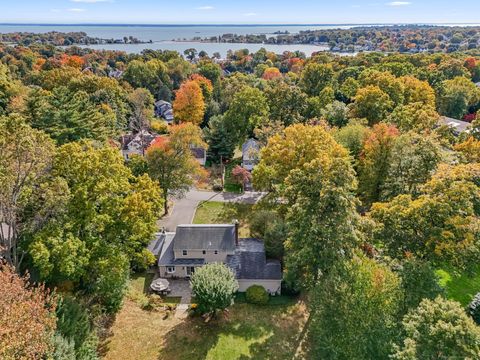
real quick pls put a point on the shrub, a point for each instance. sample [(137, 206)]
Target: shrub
[(214, 286), (474, 308), (64, 348), (257, 294), (72, 321), (217, 186)]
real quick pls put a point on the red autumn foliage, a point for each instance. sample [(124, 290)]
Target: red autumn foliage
[(241, 175), (27, 317)]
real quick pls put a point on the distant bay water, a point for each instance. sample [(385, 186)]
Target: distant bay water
[(175, 37)]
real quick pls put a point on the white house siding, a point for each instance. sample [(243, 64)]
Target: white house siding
[(272, 286)]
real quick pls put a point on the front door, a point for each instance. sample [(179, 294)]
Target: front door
[(190, 270)]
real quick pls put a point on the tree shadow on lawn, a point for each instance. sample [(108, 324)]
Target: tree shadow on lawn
[(250, 332)]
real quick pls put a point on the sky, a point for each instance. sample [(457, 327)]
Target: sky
[(239, 12)]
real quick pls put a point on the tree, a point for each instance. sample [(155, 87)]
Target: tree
[(287, 103), (418, 281), (248, 110), (322, 218), (221, 139), (413, 159), (457, 96), (171, 162), (27, 317), (439, 329), (352, 137), (417, 91), (440, 225), (375, 161), (241, 176), (315, 77), (211, 71), (142, 102), (336, 113), (25, 159), (386, 82), (189, 104), (190, 53), (470, 149), (414, 116), (214, 286), (372, 104), (106, 220), (271, 73), (354, 310), (291, 149), (151, 75)]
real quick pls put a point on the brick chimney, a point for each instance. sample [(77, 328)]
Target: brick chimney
[(236, 223)]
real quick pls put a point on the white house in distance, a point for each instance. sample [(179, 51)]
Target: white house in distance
[(179, 254), (250, 154)]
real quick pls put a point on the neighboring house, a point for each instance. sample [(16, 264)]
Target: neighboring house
[(478, 84), (116, 74), (136, 144), (163, 109), (250, 154), (200, 154), (458, 126), (192, 246)]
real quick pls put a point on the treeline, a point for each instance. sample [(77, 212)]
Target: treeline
[(365, 190), (407, 38), (61, 39)]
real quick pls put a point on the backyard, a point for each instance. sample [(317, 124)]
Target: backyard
[(461, 287), (249, 332)]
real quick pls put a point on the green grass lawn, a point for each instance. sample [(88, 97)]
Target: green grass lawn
[(460, 287), (212, 212), (249, 332)]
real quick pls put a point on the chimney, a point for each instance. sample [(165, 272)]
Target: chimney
[(236, 223)]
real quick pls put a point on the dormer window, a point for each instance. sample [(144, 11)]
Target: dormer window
[(216, 252), (185, 253), (204, 252)]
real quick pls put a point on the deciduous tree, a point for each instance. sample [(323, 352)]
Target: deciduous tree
[(189, 104)]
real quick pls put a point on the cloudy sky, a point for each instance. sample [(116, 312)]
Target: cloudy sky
[(239, 12)]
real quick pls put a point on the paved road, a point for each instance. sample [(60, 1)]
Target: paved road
[(184, 209)]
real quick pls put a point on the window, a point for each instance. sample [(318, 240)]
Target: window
[(216, 252), (204, 252), (170, 269), (185, 252)]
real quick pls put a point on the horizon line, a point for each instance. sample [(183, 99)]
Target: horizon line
[(229, 24)]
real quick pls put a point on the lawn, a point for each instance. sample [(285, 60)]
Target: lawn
[(249, 332), (460, 287), (212, 212)]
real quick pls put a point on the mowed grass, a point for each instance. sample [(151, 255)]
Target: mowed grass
[(212, 212), (249, 332), (460, 287)]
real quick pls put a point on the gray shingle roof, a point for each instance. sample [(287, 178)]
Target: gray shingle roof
[(205, 237), (458, 126), (249, 262)]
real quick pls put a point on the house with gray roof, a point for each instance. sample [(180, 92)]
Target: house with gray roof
[(136, 143), (179, 254), (457, 126), (164, 110), (250, 154)]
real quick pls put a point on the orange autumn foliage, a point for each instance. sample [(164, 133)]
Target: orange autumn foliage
[(27, 317), (271, 73), (189, 104), (72, 61)]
